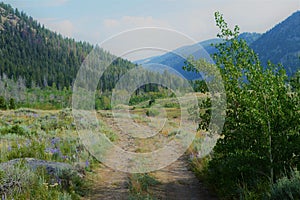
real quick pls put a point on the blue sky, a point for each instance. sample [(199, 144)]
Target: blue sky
[(96, 20)]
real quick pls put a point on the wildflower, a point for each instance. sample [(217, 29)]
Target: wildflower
[(9, 148), (52, 150), (87, 163), (64, 157), (54, 141)]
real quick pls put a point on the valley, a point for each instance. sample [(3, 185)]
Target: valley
[(224, 126)]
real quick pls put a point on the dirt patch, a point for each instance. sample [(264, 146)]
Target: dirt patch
[(108, 184), (178, 182)]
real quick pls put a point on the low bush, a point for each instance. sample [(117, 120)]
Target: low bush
[(152, 112), (21, 182), (15, 129), (140, 183), (287, 188)]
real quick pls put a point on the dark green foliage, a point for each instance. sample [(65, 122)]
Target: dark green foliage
[(12, 104), (199, 86), (261, 130), (295, 82), (2, 103), (103, 102), (38, 54), (71, 181), (140, 183), (171, 105), (151, 102), (151, 112), (148, 96), (287, 188), (205, 113), (44, 58), (15, 129), (30, 151), (47, 63)]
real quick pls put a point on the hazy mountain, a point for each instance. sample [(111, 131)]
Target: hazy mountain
[(176, 59), (281, 44)]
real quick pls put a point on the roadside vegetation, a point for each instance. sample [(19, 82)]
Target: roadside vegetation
[(258, 155), (32, 141)]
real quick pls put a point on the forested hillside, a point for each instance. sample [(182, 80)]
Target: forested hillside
[(30, 51), (38, 67)]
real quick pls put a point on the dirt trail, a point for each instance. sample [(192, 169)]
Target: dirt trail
[(176, 180), (108, 184)]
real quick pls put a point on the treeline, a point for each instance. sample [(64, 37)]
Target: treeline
[(44, 58), (38, 67), (15, 94)]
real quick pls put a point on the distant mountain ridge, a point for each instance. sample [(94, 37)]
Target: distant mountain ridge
[(176, 59), (281, 45)]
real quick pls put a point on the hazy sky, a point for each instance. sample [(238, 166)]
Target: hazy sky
[(96, 20)]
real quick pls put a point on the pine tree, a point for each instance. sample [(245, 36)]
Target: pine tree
[(12, 104), (2, 103)]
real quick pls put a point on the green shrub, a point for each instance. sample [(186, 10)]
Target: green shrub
[(21, 182), (139, 183), (171, 105), (152, 112), (3, 105), (287, 188), (15, 129), (15, 180), (260, 135), (34, 149), (71, 182), (12, 103)]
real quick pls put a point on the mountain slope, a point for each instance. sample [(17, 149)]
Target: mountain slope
[(176, 59), (42, 57), (281, 44)]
